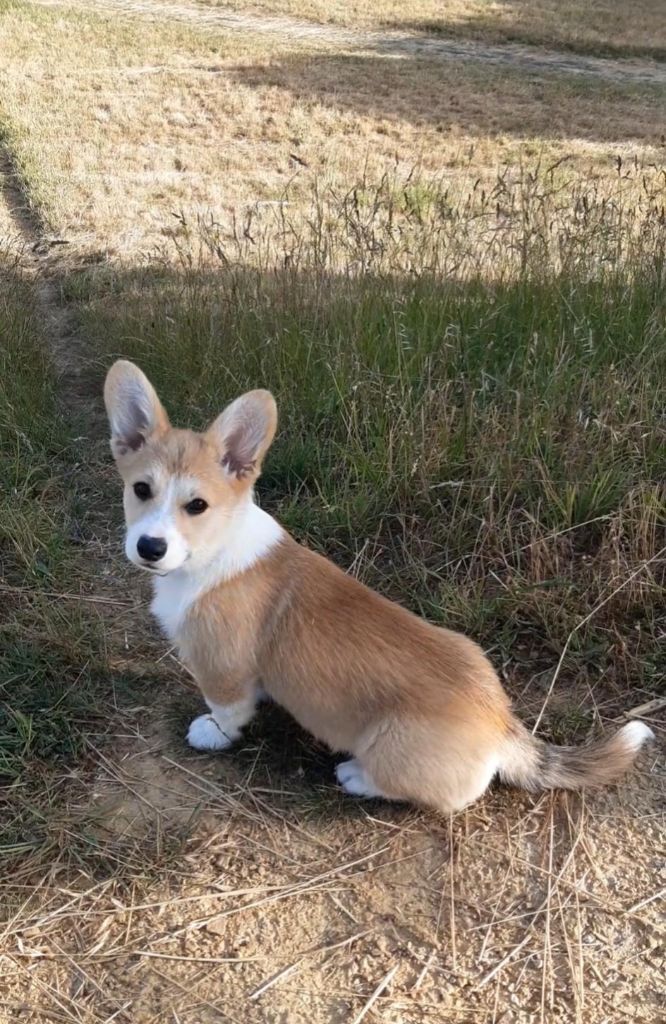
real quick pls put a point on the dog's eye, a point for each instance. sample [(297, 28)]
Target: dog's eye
[(142, 490), (196, 507)]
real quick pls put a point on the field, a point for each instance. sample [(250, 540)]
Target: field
[(450, 272), (600, 27)]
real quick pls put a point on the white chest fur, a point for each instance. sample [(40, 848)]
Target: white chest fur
[(173, 597), (248, 540)]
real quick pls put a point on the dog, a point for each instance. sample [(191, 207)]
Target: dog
[(420, 709)]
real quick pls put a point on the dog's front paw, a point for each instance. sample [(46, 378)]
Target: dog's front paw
[(205, 733), (354, 779)]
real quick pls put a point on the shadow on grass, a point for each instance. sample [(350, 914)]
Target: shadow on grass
[(463, 98), (478, 452), (486, 454), (602, 30)]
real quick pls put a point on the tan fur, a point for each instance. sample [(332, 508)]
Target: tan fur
[(421, 708)]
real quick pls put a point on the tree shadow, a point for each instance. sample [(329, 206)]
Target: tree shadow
[(182, 878), (458, 97), (585, 29)]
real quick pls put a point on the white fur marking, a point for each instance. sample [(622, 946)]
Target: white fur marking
[(205, 734), (160, 521), (636, 734), (250, 536), (222, 726), (354, 779)]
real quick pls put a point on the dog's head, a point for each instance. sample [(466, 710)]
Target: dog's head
[(183, 491)]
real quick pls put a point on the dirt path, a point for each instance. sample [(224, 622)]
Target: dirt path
[(40, 253), (389, 44)]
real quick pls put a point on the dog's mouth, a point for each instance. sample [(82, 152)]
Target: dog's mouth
[(154, 569), (157, 570)]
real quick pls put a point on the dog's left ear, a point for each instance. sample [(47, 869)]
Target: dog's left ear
[(243, 433)]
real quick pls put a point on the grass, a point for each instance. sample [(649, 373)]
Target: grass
[(31, 437), (388, 389), (32, 544), (603, 27), (55, 672), (468, 357), (37, 665), (126, 129)]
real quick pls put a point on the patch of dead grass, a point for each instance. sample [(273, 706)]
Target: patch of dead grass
[(116, 127), (518, 910)]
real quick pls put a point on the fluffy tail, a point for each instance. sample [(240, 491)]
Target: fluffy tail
[(532, 764)]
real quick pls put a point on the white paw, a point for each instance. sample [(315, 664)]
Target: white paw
[(355, 780), (204, 733)]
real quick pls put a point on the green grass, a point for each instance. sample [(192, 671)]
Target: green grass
[(55, 680), (29, 436), (34, 668), (488, 452)]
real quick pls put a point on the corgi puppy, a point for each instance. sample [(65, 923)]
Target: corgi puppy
[(419, 709)]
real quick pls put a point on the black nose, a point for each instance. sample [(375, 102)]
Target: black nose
[(151, 549)]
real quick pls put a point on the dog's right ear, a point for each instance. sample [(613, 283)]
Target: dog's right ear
[(134, 410)]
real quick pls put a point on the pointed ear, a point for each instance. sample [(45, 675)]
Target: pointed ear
[(134, 410), (243, 433)]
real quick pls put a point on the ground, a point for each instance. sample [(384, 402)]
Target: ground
[(438, 238)]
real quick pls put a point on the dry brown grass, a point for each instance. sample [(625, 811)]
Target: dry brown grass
[(601, 26), (231, 889), (116, 127)]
